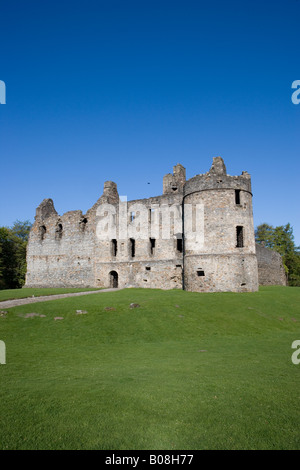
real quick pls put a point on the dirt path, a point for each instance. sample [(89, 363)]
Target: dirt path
[(31, 300)]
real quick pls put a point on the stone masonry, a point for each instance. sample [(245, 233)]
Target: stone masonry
[(198, 236)]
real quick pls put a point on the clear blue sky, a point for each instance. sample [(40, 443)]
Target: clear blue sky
[(124, 90)]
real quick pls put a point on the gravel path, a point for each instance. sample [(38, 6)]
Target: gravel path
[(44, 298)]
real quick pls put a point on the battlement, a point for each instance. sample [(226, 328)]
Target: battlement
[(217, 178)]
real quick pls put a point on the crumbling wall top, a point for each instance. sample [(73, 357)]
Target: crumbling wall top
[(45, 210), (173, 183), (217, 178)]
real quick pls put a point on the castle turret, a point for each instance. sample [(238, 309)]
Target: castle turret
[(219, 245)]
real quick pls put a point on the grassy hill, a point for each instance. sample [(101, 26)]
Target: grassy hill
[(181, 371)]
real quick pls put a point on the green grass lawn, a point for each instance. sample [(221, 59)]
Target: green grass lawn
[(182, 371), (10, 294)]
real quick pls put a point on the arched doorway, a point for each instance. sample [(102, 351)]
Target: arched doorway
[(113, 279)]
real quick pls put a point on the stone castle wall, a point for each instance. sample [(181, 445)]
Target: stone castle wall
[(270, 267), (185, 238)]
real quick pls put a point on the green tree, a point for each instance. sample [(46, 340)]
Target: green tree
[(13, 243), (264, 235), (21, 229)]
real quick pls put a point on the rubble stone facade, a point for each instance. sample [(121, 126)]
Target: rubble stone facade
[(198, 236), (270, 267)]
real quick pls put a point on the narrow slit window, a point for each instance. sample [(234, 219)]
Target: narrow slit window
[(150, 215), (132, 216), (179, 245), (152, 246), (132, 247), (238, 196), (43, 231), (239, 236), (114, 247)]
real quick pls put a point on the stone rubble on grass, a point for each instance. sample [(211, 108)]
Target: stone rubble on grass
[(31, 315), (81, 312), (134, 305)]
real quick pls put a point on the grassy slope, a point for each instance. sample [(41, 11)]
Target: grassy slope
[(9, 294), (183, 371)]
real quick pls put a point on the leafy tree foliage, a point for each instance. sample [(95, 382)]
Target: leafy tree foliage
[(281, 239), (21, 229), (13, 243)]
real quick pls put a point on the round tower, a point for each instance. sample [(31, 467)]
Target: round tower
[(219, 244)]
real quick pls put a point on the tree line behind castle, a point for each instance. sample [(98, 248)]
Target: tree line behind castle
[(13, 243)]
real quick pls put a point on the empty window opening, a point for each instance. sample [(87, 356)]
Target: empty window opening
[(152, 246), (148, 268), (239, 236), (200, 272), (179, 245), (83, 223), (238, 196), (174, 188), (113, 279), (151, 212), (114, 247), (58, 231), (132, 247), (43, 231), (243, 284), (178, 266), (132, 216)]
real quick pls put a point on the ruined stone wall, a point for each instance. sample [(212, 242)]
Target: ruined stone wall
[(155, 242), (270, 267), (156, 262), (63, 255), (79, 250)]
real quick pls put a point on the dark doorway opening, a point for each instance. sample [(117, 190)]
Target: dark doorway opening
[(113, 279)]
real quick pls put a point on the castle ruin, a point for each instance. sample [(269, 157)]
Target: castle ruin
[(198, 236)]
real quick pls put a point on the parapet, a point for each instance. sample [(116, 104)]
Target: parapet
[(217, 178)]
